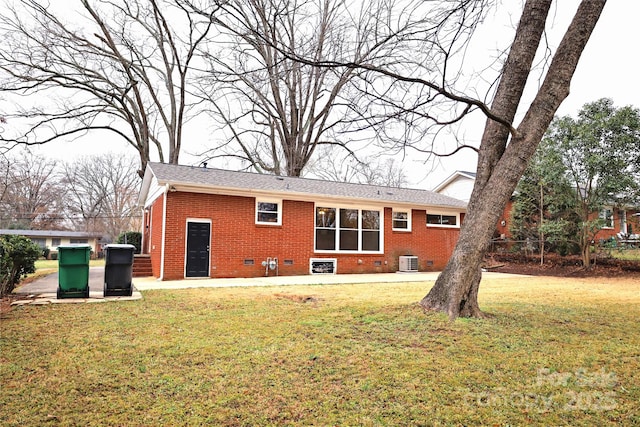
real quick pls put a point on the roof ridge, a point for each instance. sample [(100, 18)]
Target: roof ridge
[(198, 176)]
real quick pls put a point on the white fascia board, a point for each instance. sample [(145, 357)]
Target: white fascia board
[(450, 179), (155, 190)]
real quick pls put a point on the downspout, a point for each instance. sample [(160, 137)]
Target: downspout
[(164, 228)]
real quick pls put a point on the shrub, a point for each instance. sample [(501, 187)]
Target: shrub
[(18, 255), (131, 237)]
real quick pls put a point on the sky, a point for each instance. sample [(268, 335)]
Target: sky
[(607, 68)]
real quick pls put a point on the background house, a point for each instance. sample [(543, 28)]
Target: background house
[(460, 185), (621, 223), (51, 239), (201, 222)]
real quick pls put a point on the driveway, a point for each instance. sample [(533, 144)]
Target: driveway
[(43, 291), (49, 283)]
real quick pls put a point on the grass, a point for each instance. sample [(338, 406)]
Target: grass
[(557, 352), (627, 254), (48, 264)]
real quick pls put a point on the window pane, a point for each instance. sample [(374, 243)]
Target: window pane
[(449, 219), (267, 217), (397, 223), (326, 217), (607, 216), (267, 212), (348, 240), (348, 218), (401, 215), (39, 241), (433, 219), (325, 239), (267, 207), (370, 220), (401, 220), (370, 240)]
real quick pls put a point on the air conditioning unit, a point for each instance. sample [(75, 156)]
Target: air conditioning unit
[(408, 263)]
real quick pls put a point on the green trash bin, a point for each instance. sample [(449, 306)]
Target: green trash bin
[(73, 271), (118, 270)]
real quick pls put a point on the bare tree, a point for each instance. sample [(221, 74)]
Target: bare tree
[(275, 109), (32, 195), (372, 170), (124, 68), (102, 194), (272, 100), (4, 180)]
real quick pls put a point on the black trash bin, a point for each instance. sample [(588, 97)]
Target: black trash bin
[(118, 270)]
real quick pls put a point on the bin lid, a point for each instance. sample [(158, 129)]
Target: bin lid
[(119, 245), (75, 246)]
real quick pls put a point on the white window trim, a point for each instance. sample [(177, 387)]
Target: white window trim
[(337, 228), (331, 260), (409, 215), (277, 202), (604, 218), (441, 213)]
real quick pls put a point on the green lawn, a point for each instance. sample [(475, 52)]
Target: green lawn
[(558, 352), (47, 264), (628, 254)]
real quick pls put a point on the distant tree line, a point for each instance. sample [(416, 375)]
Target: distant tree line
[(93, 193)]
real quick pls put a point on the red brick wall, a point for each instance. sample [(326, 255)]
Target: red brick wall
[(506, 217), (236, 239)]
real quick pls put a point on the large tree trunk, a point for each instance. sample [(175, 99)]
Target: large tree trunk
[(500, 165)]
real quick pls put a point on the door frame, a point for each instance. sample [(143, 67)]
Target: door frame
[(186, 246)]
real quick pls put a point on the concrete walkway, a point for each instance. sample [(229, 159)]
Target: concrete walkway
[(43, 290), (147, 283)]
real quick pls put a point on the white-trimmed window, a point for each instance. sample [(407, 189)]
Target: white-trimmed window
[(348, 229), (269, 212), (606, 215), (443, 219), (401, 220)]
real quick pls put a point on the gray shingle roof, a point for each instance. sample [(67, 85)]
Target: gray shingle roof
[(49, 233), (224, 179)]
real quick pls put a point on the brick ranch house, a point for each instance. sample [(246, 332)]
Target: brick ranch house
[(203, 222)]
